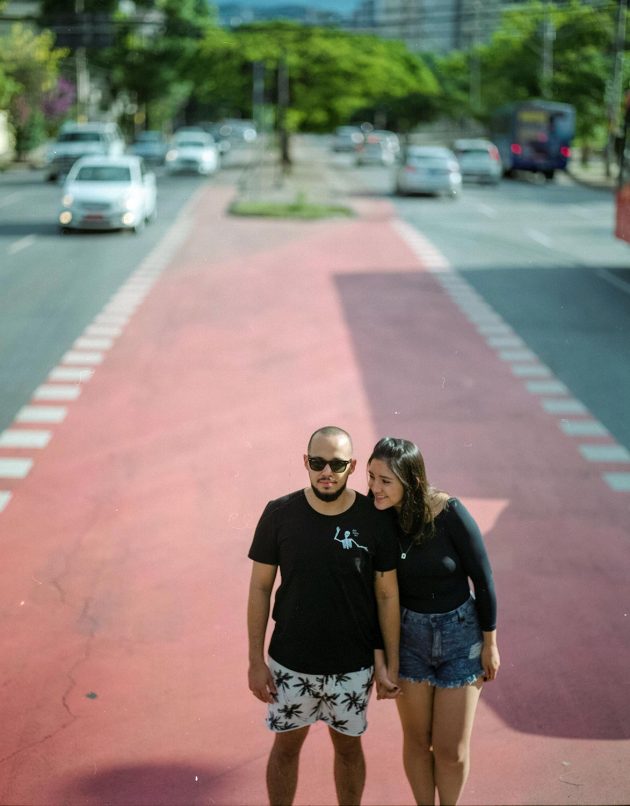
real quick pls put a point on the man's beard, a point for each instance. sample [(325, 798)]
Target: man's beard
[(328, 496)]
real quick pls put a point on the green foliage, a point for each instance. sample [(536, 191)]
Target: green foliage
[(29, 67), (580, 41), (332, 74), (154, 66)]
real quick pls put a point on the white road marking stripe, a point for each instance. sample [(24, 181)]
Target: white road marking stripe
[(505, 341), (5, 497), (22, 243), (77, 374), (607, 275), (497, 330), (583, 428), (62, 392), (546, 387), (41, 414), (110, 331), (110, 319), (605, 453), (530, 370), (24, 438), (84, 358), (516, 355), (9, 198), (619, 482), (92, 343), (540, 237), (11, 468), (563, 406), (487, 210)]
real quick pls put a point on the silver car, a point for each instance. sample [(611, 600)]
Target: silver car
[(479, 160), (192, 152), (431, 170), (108, 193)]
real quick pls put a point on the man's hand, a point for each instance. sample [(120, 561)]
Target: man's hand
[(261, 682), (387, 687)]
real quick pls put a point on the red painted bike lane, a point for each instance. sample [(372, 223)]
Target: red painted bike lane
[(124, 571)]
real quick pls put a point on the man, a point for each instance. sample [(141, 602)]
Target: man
[(337, 603)]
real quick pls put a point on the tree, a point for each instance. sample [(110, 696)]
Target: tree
[(154, 54), (333, 75), (29, 68), (511, 64)]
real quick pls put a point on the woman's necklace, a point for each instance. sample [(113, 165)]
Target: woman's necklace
[(403, 554)]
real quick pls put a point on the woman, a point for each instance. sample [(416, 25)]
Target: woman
[(448, 638)]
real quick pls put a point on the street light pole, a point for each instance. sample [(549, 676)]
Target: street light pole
[(616, 89), (80, 58)]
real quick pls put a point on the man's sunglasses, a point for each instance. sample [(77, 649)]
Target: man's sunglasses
[(336, 465)]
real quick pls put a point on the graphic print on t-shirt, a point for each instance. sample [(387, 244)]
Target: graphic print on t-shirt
[(347, 541)]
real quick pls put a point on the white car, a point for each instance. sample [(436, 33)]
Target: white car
[(108, 193), (479, 160), (429, 169), (76, 140), (194, 152), (378, 148)]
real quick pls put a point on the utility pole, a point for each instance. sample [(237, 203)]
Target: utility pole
[(549, 35), (616, 90), (475, 66), (80, 58), (283, 103)]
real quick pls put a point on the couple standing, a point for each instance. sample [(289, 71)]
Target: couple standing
[(339, 624)]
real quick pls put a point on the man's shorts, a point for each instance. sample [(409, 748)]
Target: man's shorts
[(443, 649), (339, 700)]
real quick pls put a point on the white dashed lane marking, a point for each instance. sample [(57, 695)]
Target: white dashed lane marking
[(524, 363), (24, 438), (78, 364)]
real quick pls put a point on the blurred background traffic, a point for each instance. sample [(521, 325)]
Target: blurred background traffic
[(438, 92)]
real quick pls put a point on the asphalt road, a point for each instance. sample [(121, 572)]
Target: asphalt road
[(543, 256), (124, 542), (51, 284)]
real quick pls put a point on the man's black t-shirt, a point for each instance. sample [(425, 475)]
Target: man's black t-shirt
[(325, 609)]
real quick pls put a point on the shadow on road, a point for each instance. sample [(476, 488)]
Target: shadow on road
[(144, 785), (559, 565)]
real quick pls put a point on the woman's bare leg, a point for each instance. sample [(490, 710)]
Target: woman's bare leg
[(453, 717), (415, 708)]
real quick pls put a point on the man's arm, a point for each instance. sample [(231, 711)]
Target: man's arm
[(386, 590), (258, 605)]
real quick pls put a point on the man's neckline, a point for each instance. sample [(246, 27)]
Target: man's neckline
[(326, 508)]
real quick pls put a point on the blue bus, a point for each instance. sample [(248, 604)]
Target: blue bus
[(534, 136)]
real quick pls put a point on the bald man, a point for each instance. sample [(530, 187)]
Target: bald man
[(336, 611)]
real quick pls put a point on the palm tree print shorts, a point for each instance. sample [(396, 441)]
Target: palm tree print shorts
[(339, 700)]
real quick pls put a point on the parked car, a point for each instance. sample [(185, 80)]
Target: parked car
[(151, 146), (76, 140), (429, 169), (479, 160), (378, 147), (237, 132), (192, 152), (108, 193), (347, 138)]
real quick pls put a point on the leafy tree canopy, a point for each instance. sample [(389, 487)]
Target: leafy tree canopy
[(580, 51), (332, 74)]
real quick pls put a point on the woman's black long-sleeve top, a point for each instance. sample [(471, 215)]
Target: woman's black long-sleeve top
[(433, 576)]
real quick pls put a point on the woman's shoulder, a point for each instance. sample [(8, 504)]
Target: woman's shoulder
[(440, 502)]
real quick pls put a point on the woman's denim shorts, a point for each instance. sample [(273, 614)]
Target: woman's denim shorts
[(443, 649)]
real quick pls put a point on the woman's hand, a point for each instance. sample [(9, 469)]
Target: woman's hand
[(387, 687), (490, 660)]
